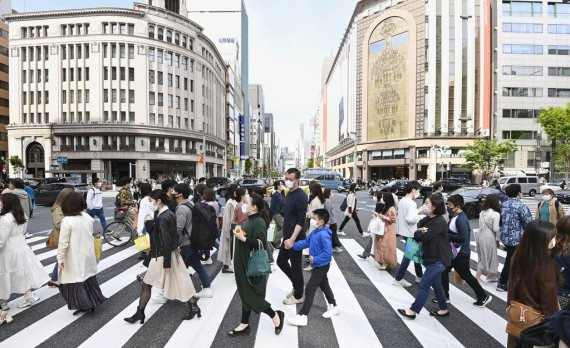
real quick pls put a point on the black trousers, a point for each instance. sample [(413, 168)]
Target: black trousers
[(289, 261), (461, 266), (356, 221), (318, 280), (245, 314), (335, 240), (506, 267)]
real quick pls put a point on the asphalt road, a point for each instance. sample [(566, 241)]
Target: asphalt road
[(367, 298)]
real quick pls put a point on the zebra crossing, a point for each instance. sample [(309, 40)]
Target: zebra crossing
[(367, 298)]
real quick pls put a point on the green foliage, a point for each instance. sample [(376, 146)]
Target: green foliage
[(485, 155), (310, 163), (248, 165), (319, 162), (255, 168), (17, 164), (555, 121)]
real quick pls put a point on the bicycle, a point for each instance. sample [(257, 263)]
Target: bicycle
[(120, 232)]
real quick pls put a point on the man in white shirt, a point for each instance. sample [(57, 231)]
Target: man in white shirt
[(95, 203), (408, 218)]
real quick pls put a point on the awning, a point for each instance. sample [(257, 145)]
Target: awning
[(71, 171)]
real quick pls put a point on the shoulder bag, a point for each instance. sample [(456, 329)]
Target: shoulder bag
[(520, 317)]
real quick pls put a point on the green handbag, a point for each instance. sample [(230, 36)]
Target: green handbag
[(258, 264)]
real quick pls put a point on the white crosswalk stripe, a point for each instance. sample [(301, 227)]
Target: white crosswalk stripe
[(48, 319)]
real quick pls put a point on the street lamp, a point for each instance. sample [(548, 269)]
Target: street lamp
[(436, 149), (354, 155)]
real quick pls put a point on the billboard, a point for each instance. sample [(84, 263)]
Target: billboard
[(242, 153)]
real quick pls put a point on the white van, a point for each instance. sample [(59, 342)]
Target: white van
[(529, 184)]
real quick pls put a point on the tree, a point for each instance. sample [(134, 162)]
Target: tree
[(17, 165), (248, 165), (310, 163), (556, 124), (319, 161), (255, 168), (485, 155)]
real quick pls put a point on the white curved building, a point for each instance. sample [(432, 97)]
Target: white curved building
[(116, 91)]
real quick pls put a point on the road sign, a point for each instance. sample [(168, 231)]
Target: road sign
[(62, 160)]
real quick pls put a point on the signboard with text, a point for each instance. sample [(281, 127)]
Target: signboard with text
[(242, 153)]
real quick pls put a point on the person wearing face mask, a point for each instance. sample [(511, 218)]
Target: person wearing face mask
[(549, 209), (408, 218), (277, 204), (241, 198), (535, 278), (250, 237), (95, 202), (350, 213), (514, 218), (294, 212), (460, 236)]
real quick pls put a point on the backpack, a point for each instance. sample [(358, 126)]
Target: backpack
[(344, 204), (204, 227)]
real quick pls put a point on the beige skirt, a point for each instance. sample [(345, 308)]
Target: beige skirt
[(176, 283)]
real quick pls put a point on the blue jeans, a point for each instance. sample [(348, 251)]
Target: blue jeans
[(404, 266), (193, 258), (432, 277), (53, 275), (99, 213)]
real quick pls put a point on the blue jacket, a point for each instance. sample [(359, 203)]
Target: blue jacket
[(277, 203), (30, 192), (319, 243), (564, 262), (463, 235), (514, 218)]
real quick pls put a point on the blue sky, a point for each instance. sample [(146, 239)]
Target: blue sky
[(288, 41)]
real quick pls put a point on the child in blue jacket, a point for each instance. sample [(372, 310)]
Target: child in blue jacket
[(319, 243)]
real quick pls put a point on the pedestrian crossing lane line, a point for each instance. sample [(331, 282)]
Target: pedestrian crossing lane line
[(213, 313), (485, 318), (427, 330), (53, 252), (46, 292), (351, 325), (278, 287), (49, 325)]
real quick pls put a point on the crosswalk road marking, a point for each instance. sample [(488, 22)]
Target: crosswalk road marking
[(46, 322)]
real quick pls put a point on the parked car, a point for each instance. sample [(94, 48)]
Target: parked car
[(46, 194), (218, 181), (563, 196), (246, 183), (425, 190), (474, 197), (529, 184), (45, 181), (551, 185)]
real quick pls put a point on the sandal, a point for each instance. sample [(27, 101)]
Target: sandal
[(5, 317)]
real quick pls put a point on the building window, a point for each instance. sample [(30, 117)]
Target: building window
[(86, 74), (169, 58), (131, 29), (114, 73), (520, 113), (558, 10), (71, 96), (522, 49), (170, 101), (151, 76), (178, 122), (113, 51), (178, 102), (105, 50), (106, 95), (123, 96), (184, 41), (25, 98), (152, 119), (522, 9), (176, 60), (79, 96), (559, 50), (160, 99), (132, 119), (123, 73), (131, 96), (160, 78), (185, 83), (522, 28), (559, 28), (169, 35), (113, 95), (151, 98), (519, 135), (558, 71), (185, 104), (122, 51), (177, 81), (170, 121), (4, 85), (160, 33), (131, 51), (46, 97), (559, 92), (150, 54), (522, 92), (105, 73), (177, 39), (86, 96), (169, 80), (63, 52), (161, 120), (151, 32), (159, 56)]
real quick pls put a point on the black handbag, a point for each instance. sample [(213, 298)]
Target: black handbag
[(540, 334)]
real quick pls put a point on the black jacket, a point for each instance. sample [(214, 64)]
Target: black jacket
[(435, 240), (163, 238)]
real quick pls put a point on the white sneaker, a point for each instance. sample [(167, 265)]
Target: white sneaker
[(293, 301), (338, 250), (417, 279), (207, 262), (28, 235), (340, 233), (365, 234), (159, 298), (402, 282), (29, 302), (291, 294), (298, 320), (331, 311), (205, 293)]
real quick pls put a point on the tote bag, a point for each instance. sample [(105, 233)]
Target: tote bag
[(97, 244), (376, 226), (258, 264), (414, 251)]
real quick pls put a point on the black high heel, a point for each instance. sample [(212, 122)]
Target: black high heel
[(281, 322), (194, 310), (139, 315), (235, 332)]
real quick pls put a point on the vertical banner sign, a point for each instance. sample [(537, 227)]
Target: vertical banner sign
[(242, 153), (487, 94)]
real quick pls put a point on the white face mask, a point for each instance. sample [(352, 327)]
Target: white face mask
[(375, 199), (546, 197), (244, 209), (289, 184), (153, 206), (552, 243)]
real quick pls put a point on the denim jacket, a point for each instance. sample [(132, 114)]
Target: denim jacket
[(514, 217)]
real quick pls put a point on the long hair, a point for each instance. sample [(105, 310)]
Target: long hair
[(258, 201), (388, 202), (532, 259), (61, 197), (158, 194), (492, 202), (317, 191), (562, 236), (11, 204)]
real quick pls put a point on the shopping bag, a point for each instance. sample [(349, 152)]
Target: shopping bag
[(142, 243), (271, 232), (414, 251), (50, 242), (457, 280), (98, 243), (376, 226)]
